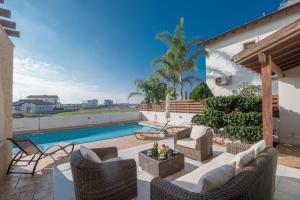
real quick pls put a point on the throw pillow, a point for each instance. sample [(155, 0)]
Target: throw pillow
[(89, 154)]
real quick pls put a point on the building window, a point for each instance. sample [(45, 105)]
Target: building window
[(17, 108), (246, 45)]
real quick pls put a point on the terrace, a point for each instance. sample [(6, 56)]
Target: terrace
[(273, 173)]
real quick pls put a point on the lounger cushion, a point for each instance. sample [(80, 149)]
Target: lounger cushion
[(243, 158), (187, 142), (89, 154), (198, 131)]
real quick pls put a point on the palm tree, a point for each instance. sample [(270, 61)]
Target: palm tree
[(152, 89), (181, 58)]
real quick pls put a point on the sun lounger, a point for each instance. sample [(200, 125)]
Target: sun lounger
[(32, 153)]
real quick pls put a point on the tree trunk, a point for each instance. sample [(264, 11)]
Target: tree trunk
[(181, 87)]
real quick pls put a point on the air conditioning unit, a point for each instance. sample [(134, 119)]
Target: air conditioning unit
[(223, 80)]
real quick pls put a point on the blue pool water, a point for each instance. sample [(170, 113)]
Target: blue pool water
[(83, 135)]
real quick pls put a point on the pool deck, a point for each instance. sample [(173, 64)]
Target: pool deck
[(40, 186)]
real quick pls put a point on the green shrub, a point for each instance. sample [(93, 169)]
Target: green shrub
[(247, 104), (243, 119), (250, 133), (200, 92), (210, 118), (221, 103)]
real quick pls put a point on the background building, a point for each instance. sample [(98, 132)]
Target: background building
[(92, 103), (108, 102), (54, 99), (32, 106)]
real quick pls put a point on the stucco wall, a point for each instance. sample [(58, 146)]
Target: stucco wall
[(41, 123), (176, 118), (289, 102), (6, 80), (219, 62)]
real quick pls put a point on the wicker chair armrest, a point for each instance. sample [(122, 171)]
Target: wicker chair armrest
[(161, 189), (204, 139), (106, 152), (235, 148), (185, 133)]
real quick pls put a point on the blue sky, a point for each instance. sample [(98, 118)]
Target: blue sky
[(96, 49)]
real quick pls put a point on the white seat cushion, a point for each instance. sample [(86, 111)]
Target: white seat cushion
[(243, 158), (223, 158), (187, 142), (89, 154), (198, 131), (189, 181), (215, 178)]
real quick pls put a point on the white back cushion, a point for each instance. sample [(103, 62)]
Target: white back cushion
[(216, 177), (258, 147), (198, 131), (89, 154), (243, 158)]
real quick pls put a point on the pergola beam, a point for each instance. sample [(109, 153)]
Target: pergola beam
[(275, 68), (8, 24), (5, 13), (12, 33)]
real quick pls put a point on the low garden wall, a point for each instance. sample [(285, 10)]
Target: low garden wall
[(56, 122)]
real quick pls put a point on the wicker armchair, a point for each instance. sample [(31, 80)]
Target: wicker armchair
[(203, 150), (106, 180)]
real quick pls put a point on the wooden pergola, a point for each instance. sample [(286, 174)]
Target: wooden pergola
[(273, 55), (8, 26)]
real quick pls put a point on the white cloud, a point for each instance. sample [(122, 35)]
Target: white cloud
[(36, 77)]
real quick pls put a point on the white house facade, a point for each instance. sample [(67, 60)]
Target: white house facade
[(32, 106), (54, 99), (222, 75)]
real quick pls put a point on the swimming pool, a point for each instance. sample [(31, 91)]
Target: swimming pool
[(84, 135)]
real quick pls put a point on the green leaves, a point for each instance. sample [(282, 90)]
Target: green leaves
[(240, 116), (243, 119), (221, 103), (153, 90), (249, 133), (180, 59), (200, 92)]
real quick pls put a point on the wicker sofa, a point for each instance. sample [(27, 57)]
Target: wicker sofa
[(256, 181), (203, 149), (111, 179)]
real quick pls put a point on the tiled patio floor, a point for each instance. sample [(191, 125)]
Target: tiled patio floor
[(40, 186)]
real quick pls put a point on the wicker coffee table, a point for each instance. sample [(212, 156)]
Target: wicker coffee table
[(162, 168)]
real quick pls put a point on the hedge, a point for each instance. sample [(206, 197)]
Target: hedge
[(243, 119), (211, 118), (250, 133), (240, 116), (248, 104), (221, 103)]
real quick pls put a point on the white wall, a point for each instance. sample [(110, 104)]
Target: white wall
[(40, 123), (221, 51), (176, 118), (289, 102)]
